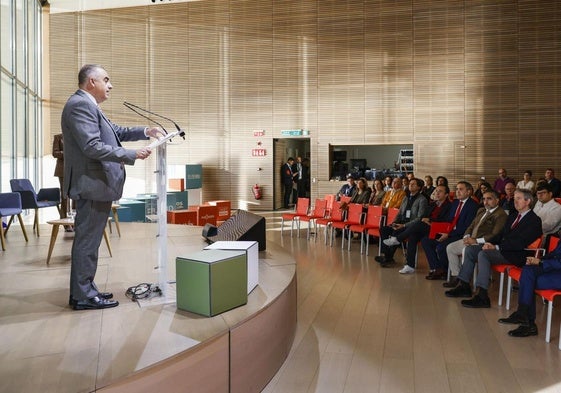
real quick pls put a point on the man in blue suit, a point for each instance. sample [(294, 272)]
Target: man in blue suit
[(94, 177), (462, 213), (538, 273)]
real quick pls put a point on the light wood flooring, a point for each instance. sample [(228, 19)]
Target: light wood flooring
[(362, 328)]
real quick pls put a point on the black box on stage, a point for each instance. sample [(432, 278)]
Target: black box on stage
[(243, 225)]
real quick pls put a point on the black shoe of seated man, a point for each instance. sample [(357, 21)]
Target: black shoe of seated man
[(95, 303), (438, 274), (462, 290), (380, 258), (477, 302), (453, 283), (514, 319), (103, 295), (388, 263), (524, 331)]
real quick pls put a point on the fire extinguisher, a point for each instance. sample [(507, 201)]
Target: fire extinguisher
[(256, 191)]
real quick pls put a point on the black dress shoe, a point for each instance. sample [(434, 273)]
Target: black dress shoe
[(380, 258), (514, 319), (524, 331), (438, 274), (95, 303), (459, 291), (453, 283), (103, 295), (388, 263), (477, 302)]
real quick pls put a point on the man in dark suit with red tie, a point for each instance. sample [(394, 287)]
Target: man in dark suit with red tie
[(462, 213), (520, 230)]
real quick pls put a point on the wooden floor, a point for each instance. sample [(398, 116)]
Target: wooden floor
[(360, 328)]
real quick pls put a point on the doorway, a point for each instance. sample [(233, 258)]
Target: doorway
[(282, 149)]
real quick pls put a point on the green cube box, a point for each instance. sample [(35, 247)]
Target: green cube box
[(211, 282)]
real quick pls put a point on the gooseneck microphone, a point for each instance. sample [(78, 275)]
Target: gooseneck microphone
[(138, 110)]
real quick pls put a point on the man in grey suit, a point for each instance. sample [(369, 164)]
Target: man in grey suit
[(413, 208), (94, 177)]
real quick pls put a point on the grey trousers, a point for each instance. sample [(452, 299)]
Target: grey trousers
[(91, 218), (484, 258)]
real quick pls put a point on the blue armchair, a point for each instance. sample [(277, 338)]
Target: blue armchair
[(46, 197), (10, 206)]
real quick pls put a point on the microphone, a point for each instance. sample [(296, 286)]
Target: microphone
[(137, 109)]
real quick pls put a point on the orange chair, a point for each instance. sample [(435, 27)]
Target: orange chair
[(388, 219), (317, 212), (302, 207), (503, 268), (549, 295), (336, 215), (515, 272), (374, 218), (354, 216), (330, 200)]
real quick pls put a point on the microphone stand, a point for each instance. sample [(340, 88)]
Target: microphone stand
[(161, 185)]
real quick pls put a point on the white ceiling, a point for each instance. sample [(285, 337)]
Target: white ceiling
[(59, 6)]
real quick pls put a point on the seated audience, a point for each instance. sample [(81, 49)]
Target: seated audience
[(553, 182), (527, 182), (348, 188), (388, 180), (507, 200), (481, 189), (520, 230), (413, 208), (394, 196), (486, 227), (362, 192), (462, 213), (429, 187), (538, 273), (439, 210), (548, 210), (502, 181), (378, 193)]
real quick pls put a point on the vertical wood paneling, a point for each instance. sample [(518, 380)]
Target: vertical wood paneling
[(473, 85)]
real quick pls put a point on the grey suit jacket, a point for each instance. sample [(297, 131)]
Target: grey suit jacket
[(492, 226), (93, 156), (419, 209)]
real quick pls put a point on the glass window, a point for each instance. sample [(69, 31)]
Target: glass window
[(6, 131), (6, 35)]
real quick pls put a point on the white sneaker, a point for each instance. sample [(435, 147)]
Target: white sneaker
[(407, 270), (391, 241)]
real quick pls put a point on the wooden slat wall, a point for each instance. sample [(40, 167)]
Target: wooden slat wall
[(473, 85)]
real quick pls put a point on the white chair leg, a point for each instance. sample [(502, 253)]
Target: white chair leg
[(343, 236), (508, 291), (548, 327), (349, 242), (367, 242), (501, 285)]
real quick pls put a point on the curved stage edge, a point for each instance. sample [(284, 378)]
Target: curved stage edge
[(244, 356)]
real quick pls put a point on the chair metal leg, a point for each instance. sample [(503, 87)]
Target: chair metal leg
[(548, 328), (501, 287), (282, 225), (367, 242), (508, 291)]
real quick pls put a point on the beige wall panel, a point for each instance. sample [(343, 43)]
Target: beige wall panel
[(473, 85)]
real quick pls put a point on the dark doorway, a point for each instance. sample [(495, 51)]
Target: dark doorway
[(282, 149)]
